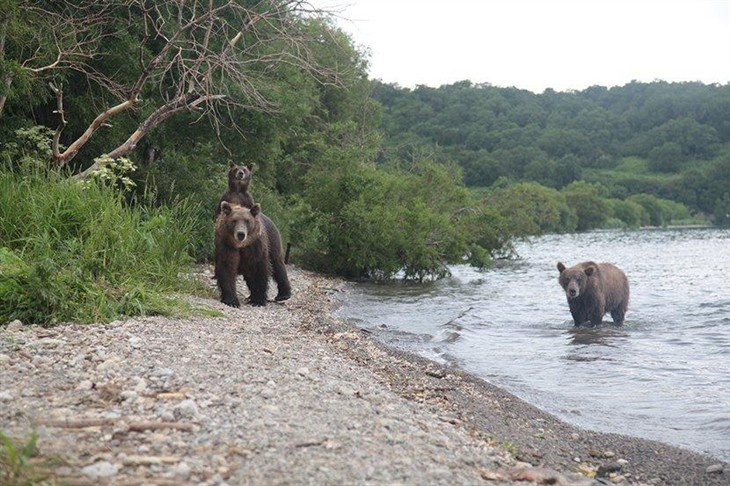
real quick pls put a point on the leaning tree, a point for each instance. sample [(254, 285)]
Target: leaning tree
[(207, 57)]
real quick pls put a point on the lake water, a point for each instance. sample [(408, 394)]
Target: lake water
[(664, 375)]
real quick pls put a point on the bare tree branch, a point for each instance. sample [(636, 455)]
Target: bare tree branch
[(208, 57)]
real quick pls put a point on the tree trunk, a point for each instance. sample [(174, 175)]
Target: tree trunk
[(189, 102)]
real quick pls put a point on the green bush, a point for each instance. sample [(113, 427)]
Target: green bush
[(587, 200), (722, 211), (358, 220), (662, 212), (630, 213), (533, 209), (78, 252)]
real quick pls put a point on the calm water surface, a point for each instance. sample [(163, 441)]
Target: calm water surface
[(664, 375)]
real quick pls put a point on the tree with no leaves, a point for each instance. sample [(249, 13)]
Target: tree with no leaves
[(207, 57)]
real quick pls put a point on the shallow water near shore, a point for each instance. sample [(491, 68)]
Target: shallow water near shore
[(664, 375)]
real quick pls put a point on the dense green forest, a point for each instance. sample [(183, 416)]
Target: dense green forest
[(645, 143), (118, 122)]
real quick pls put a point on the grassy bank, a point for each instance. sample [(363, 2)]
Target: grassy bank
[(72, 251)]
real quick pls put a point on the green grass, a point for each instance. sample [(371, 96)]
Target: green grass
[(15, 466), (80, 252)]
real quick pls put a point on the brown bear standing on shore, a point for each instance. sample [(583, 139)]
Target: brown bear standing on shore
[(239, 180), (594, 289), (248, 243)]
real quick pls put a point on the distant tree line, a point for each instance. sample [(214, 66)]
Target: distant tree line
[(667, 140)]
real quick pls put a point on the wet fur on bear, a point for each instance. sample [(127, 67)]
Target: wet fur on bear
[(239, 181), (248, 243), (593, 289)]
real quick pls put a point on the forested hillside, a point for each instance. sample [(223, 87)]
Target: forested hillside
[(669, 140)]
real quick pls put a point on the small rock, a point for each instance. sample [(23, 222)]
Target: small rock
[(623, 462), (165, 415), (49, 342), (109, 363), (181, 471), (4, 359), (715, 468), (609, 454), (141, 385), (303, 371), (85, 385), (129, 395), (14, 326), (618, 479), (268, 393), (576, 459), (5, 396), (186, 409), (605, 469), (101, 469), (135, 342), (164, 372)]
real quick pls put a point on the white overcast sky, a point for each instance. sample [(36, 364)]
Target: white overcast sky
[(538, 44)]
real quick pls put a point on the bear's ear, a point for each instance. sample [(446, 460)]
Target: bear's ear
[(225, 208), (590, 269), (255, 209), (250, 167), (231, 164), (561, 267)]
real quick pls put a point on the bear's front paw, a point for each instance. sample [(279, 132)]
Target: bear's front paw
[(231, 301), (283, 297), (257, 302)]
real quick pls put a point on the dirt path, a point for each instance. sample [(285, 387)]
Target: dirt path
[(288, 394)]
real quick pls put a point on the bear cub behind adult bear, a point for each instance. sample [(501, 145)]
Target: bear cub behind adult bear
[(248, 243), (593, 289), (239, 181)]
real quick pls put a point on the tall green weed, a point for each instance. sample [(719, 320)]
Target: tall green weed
[(79, 252)]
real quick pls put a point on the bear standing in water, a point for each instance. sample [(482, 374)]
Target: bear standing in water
[(593, 289), (248, 243)]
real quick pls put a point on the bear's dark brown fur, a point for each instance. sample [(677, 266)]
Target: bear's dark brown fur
[(593, 289), (239, 180), (248, 243)]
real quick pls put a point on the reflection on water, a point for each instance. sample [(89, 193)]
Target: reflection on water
[(664, 375), (604, 335)]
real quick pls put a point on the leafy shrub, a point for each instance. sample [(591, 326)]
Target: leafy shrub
[(587, 200), (78, 252), (653, 208), (722, 211), (532, 209), (357, 220), (662, 212), (632, 214)]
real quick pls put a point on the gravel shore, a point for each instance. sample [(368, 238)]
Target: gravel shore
[(290, 394)]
